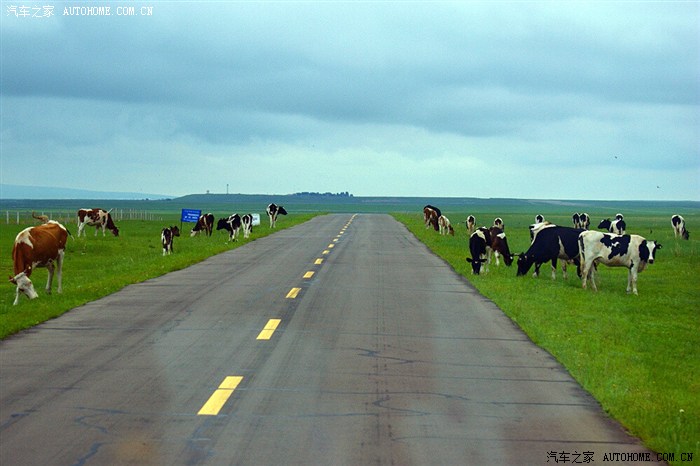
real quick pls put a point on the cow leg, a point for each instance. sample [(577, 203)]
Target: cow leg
[(632, 280), (554, 269), (563, 270), (59, 270), (498, 262), (50, 267)]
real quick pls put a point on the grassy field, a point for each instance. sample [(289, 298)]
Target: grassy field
[(638, 355), (97, 266)]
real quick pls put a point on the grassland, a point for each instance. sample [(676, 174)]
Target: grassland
[(638, 355)]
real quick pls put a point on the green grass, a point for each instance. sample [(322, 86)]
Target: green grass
[(638, 355), (97, 266)]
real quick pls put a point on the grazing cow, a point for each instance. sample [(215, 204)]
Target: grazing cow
[(539, 218), (584, 221), (471, 224), (576, 219), (445, 226), (38, 246), (499, 246), (273, 211), (231, 224), (631, 251), (551, 242), (616, 226), (247, 223), (205, 223), (97, 218), (41, 218), (678, 223), (619, 216), (479, 242), (498, 223), (166, 238), (430, 217)]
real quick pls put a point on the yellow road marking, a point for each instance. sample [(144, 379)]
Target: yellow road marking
[(217, 400), (335, 240), (325, 252), (318, 261), (269, 329), (331, 246), (293, 293), (308, 274)]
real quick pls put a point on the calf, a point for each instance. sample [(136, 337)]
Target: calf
[(631, 251), (616, 226), (166, 238), (550, 243), (247, 223), (97, 218), (231, 224), (430, 217), (471, 224), (273, 210), (499, 246), (205, 223), (445, 226), (678, 224), (478, 244), (38, 246)]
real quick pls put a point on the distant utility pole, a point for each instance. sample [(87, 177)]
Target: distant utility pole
[(227, 189)]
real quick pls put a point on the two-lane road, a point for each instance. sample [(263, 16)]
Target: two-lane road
[(375, 352)]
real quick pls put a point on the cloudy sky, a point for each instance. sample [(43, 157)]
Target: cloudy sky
[(549, 100)]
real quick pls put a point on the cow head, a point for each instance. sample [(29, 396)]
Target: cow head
[(476, 264), (175, 230), (24, 285), (524, 263), (647, 251), (281, 211), (222, 224)]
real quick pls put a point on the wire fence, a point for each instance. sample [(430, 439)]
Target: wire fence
[(24, 217)]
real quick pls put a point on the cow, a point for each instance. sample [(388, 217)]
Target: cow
[(98, 218), (539, 218), (430, 217), (479, 242), (205, 223), (631, 251), (576, 219), (247, 223), (616, 226), (273, 211), (678, 224), (619, 216), (39, 246), (498, 223), (445, 226), (584, 221), (471, 224), (499, 246), (166, 238), (550, 243), (231, 224), (536, 227)]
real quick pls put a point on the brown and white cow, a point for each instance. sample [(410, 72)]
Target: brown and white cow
[(499, 246), (39, 246), (445, 226), (430, 217), (166, 238), (205, 223), (97, 218)]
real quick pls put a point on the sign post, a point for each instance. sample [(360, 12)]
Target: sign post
[(189, 216)]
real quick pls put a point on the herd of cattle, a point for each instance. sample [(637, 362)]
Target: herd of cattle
[(550, 243), (44, 245)]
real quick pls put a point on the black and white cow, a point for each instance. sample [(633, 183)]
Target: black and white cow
[(616, 226), (166, 238), (539, 218), (479, 242), (273, 210), (232, 224), (205, 223), (498, 223), (550, 243), (247, 223), (576, 219), (499, 247), (678, 223), (631, 251), (471, 224)]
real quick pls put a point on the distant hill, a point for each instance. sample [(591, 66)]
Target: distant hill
[(11, 191)]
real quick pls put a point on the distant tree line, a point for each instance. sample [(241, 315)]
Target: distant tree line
[(317, 194)]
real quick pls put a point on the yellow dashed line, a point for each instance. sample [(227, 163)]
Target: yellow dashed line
[(318, 261), (331, 246), (309, 274), (269, 329), (293, 293), (325, 252), (217, 400)]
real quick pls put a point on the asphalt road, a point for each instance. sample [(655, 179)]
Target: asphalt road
[(383, 356)]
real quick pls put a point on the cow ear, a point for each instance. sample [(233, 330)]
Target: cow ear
[(12, 280), (658, 246), (469, 259)]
